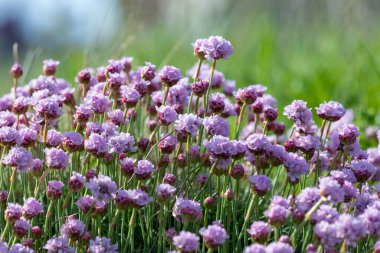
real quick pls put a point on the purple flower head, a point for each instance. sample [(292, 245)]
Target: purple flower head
[(260, 231), (148, 72), (350, 228), (96, 145), (166, 114), (198, 47), (73, 228), (114, 66), (115, 81), (93, 127), (99, 103), (257, 143), (108, 130), (324, 213), (186, 242), (188, 124), (7, 119), (72, 141), (139, 198), (371, 220), (185, 210), (167, 143), (129, 96), (21, 227), (296, 166), (53, 138), (199, 88), (122, 143), (28, 137), (48, 108), (260, 184), (362, 169), (85, 203), (54, 189), (327, 233), (276, 154), (298, 112), (102, 187), (277, 211), (331, 111), (213, 236), (16, 70), (58, 245), (50, 67), (102, 244), (279, 247), (246, 95), (222, 165), (228, 87), (31, 208), (307, 143), (144, 169), (216, 125), (56, 159), (165, 192), (116, 117), (20, 248), (307, 198), (83, 113), (127, 166), (348, 133), (20, 158), (20, 106), (255, 248), (216, 102), (220, 147), (170, 75), (76, 182), (331, 189), (84, 76), (343, 175), (13, 212), (240, 147), (9, 136), (126, 61), (216, 47)]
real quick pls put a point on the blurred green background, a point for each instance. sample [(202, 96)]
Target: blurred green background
[(311, 50)]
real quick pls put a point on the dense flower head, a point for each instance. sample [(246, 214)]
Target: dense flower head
[(260, 231), (255, 248), (165, 191), (129, 96), (307, 198), (85, 203), (350, 228), (96, 145), (331, 189), (83, 112), (127, 166), (260, 184), (199, 87), (54, 189), (216, 47), (72, 228), (28, 137), (56, 159), (257, 143), (144, 169), (148, 72), (348, 133), (327, 233), (186, 242), (220, 146), (371, 220), (7, 118), (9, 136), (58, 245), (99, 103), (76, 181), (213, 235), (166, 114), (13, 212), (31, 208), (48, 108), (102, 187), (167, 143), (170, 75), (279, 247), (331, 111), (188, 124), (72, 141), (362, 169), (216, 125), (216, 102), (53, 138), (298, 112), (21, 227), (116, 117), (122, 143), (296, 166), (187, 210), (102, 244), (325, 213), (278, 211), (50, 66), (19, 248), (20, 158)]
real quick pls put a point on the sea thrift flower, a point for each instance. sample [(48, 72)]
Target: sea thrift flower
[(216, 47), (73, 228), (72, 141), (298, 112), (188, 124), (330, 188), (20, 158), (102, 187), (21, 227), (277, 211), (48, 108), (170, 75), (348, 133), (186, 242), (144, 169), (13, 212), (50, 67), (200, 87), (166, 114), (56, 159), (216, 125), (19, 248), (58, 244), (362, 170), (31, 208), (83, 113), (116, 117), (216, 102), (331, 111), (371, 220), (102, 244), (7, 119), (213, 236), (185, 210), (219, 146), (350, 229), (53, 138), (296, 166), (148, 72), (167, 143), (307, 198), (76, 182), (122, 143), (198, 47), (257, 143), (139, 198), (28, 137), (21, 104), (327, 233), (255, 248), (279, 247), (99, 103), (54, 189), (96, 145), (85, 203), (127, 166), (9, 136), (260, 231), (84, 76), (129, 96), (260, 184), (165, 192), (16, 70)]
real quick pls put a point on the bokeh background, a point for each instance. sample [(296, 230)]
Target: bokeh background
[(302, 49)]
